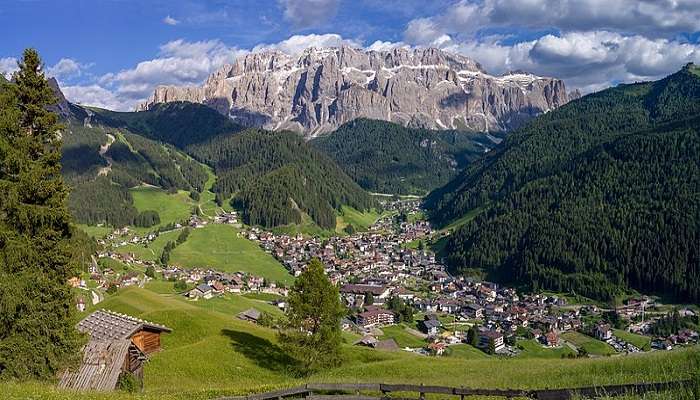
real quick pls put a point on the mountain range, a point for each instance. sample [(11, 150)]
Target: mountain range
[(320, 89)]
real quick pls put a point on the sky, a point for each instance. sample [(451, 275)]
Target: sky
[(113, 53)]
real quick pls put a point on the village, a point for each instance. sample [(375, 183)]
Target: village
[(389, 279)]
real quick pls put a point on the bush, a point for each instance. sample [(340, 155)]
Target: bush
[(194, 195), (128, 383), (150, 272), (180, 286)]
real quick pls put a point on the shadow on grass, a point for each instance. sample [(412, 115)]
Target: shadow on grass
[(263, 352)]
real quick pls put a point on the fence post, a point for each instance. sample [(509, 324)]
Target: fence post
[(422, 393)]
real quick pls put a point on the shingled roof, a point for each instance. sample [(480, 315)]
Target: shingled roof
[(106, 325), (101, 366)]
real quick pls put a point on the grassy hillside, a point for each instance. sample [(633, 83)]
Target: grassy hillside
[(220, 247), (211, 353), (596, 197), (389, 158), (274, 177)]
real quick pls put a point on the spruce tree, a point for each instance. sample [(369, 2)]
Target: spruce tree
[(313, 336), (37, 333)]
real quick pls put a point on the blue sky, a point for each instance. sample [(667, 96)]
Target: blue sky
[(112, 53)]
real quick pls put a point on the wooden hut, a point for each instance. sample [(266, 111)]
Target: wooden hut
[(103, 362), (118, 345), (108, 325)]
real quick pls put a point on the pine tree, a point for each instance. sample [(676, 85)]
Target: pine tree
[(313, 333), (37, 333)]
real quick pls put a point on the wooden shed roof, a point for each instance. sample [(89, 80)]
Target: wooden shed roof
[(107, 325), (101, 366)]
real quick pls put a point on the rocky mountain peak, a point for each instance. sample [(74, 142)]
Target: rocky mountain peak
[(319, 89)]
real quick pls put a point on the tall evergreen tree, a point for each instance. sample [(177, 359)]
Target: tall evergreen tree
[(313, 334), (37, 334)]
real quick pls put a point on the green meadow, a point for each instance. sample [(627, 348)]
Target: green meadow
[(153, 250), (171, 208), (591, 345), (212, 353), (220, 247), (358, 219), (641, 341), (402, 337), (530, 348)]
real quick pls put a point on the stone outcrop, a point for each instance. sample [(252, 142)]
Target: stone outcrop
[(322, 88)]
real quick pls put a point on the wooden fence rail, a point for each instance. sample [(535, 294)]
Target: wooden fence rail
[(311, 391)]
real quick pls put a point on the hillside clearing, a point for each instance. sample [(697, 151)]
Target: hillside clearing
[(220, 247)]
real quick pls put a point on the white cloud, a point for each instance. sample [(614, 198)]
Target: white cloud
[(297, 43), (67, 68), (168, 20), (179, 63), (585, 60), (385, 46), (650, 18), (309, 13), (8, 65), (600, 41), (95, 95)]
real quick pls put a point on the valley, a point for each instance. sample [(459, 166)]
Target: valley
[(332, 200)]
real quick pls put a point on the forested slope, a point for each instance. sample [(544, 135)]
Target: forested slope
[(596, 197), (390, 158), (273, 177), (100, 163)]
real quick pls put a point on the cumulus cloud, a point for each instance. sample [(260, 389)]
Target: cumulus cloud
[(650, 18), (178, 63), (309, 13), (596, 42), (297, 43), (95, 95), (586, 60), (67, 68), (8, 65), (168, 20)]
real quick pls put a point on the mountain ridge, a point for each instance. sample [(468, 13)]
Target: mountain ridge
[(322, 88)]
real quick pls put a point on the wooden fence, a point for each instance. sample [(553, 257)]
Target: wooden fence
[(339, 391)]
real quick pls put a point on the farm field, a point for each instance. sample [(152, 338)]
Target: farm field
[(211, 353), (218, 246), (591, 345)]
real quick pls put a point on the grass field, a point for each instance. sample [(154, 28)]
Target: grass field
[(402, 337), (217, 246), (642, 342), (532, 349), (262, 296), (211, 353), (591, 345), (465, 351), (360, 220), (153, 251), (171, 207)]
